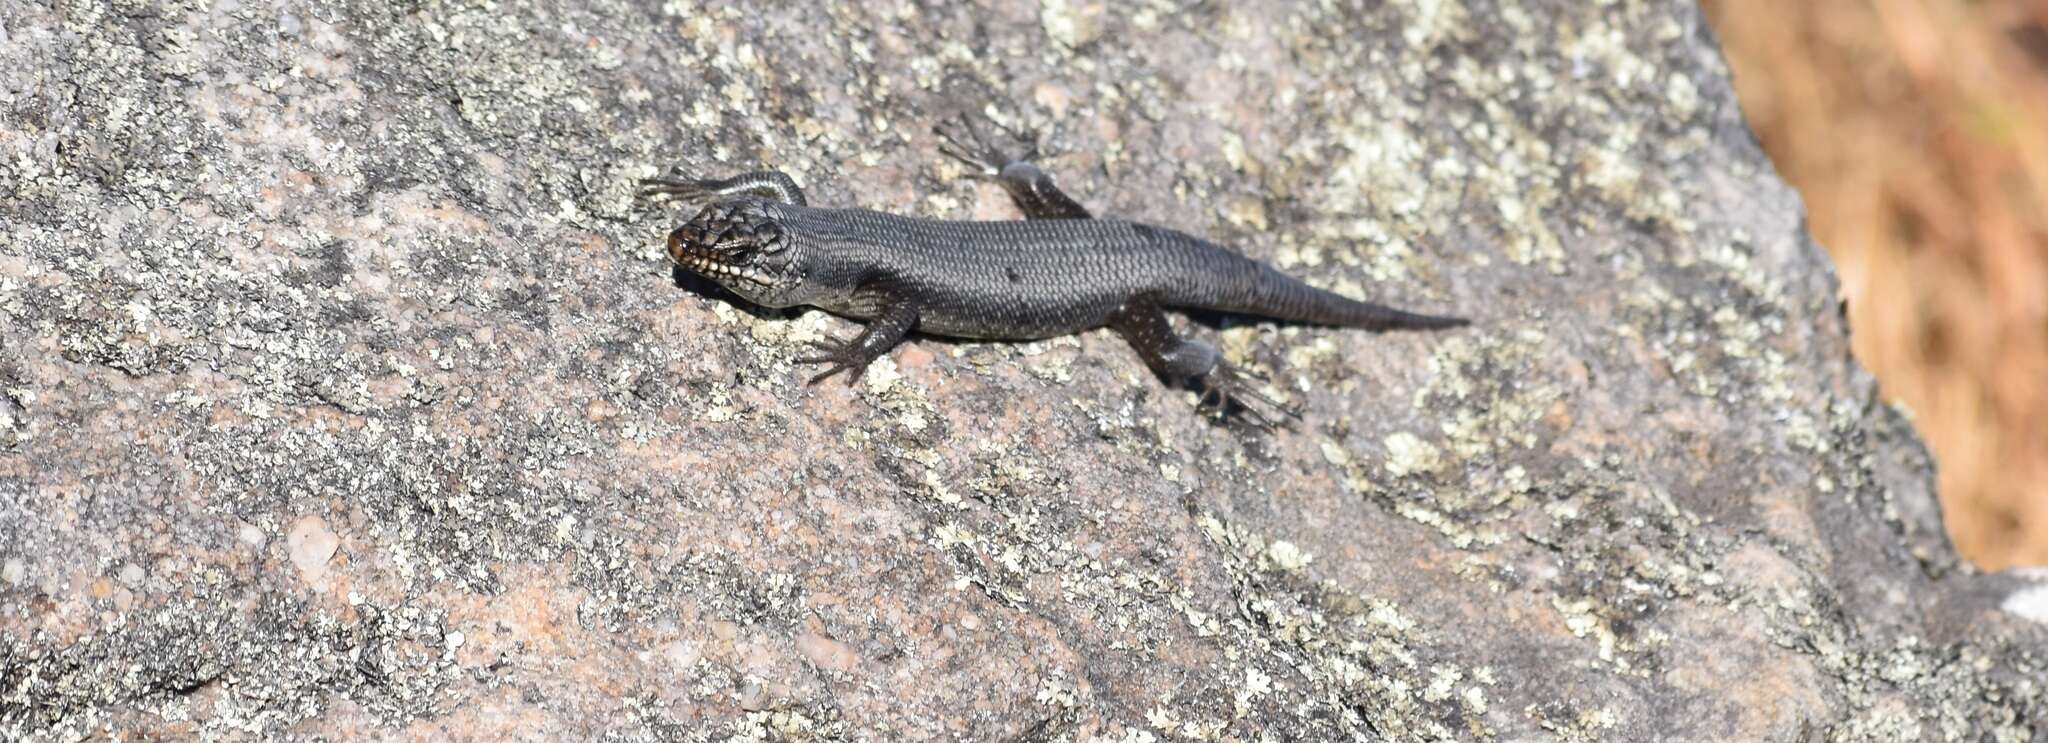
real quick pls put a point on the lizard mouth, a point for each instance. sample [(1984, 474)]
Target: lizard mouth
[(721, 271)]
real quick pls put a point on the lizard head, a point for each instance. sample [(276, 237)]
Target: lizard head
[(742, 246)]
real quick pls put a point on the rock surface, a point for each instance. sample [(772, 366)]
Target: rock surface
[(345, 393)]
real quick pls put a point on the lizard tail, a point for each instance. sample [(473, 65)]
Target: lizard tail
[(1280, 296), (1381, 317), (1215, 278)]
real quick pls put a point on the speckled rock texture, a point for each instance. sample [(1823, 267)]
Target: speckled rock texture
[(345, 393)]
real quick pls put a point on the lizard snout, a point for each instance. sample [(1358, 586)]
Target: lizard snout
[(675, 245), (685, 245)]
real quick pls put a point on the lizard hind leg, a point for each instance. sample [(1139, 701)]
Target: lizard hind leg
[(966, 138), (770, 184), (1223, 387)]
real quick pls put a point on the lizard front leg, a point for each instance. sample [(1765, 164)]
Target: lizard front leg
[(771, 184), (882, 333), (1143, 324), (966, 139)]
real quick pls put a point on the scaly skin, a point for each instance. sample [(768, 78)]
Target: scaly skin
[(1059, 272)]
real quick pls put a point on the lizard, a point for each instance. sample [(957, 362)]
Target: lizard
[(1058, 271)]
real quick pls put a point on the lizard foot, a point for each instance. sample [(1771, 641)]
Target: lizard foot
[(701, 192), (966, 138), (1226, 388), (690, 191), (839, 356)]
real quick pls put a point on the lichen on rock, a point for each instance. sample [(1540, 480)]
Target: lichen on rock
[(345, 393)]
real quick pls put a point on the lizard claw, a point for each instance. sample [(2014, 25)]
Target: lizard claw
[(840, 357), (1233, 389), (965, 138), (689, 191)]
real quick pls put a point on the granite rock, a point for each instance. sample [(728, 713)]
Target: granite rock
[(345, 392)]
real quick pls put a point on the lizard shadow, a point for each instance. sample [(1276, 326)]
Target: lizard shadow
[(1216, 320), (708, 289)]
